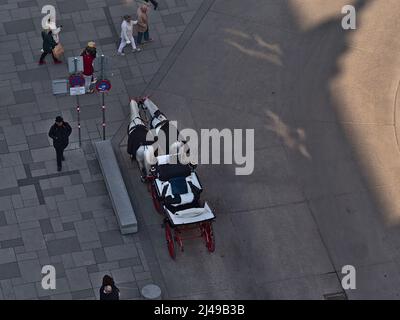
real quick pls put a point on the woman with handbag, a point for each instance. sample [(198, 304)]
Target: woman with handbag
[(143, 25), (48, 45)]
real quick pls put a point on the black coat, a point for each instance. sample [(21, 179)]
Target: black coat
[(113, 295), (60, 134), (48, 41)]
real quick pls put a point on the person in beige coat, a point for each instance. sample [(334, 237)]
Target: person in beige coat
[(143, 24)]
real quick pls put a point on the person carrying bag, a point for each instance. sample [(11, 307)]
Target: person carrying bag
[(143, 25), (58, 50), (47, 48)]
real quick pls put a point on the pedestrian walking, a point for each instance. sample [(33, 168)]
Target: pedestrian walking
[(108, 290), (60, 132), (88, 56), (58, 50), (143, 24), (127, 35), (48, 45), (154, 2)]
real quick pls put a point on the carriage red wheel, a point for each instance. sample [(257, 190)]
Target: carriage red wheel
[(209, 237), (170, 240), (156, 202)]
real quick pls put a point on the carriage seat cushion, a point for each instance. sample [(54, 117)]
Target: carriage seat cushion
[(178, 185), (177, 199), (192, 212), (177, 192)]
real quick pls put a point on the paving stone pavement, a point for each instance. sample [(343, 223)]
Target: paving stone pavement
[(66, 219)]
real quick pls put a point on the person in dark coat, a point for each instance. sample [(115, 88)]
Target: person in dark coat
[(48, 45), (60, 132), (108, 290)]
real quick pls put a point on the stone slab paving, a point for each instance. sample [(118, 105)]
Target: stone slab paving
[(66, 219), (286, 231)]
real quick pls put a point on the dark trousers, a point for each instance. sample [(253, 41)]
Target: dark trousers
[(44, 54), (60, 154), (140, 36)]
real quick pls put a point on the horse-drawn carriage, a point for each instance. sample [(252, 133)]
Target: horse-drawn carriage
[(174, 185)]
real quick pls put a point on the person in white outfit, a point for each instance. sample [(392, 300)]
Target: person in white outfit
[(127, 35)]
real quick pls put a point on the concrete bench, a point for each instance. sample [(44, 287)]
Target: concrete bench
[(116, 187)]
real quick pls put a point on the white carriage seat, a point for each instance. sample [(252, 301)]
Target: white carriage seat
[(189, 213), (192, 215), (186, 197), (194, 179)]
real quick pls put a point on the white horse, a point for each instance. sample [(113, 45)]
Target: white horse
[(146, 144)]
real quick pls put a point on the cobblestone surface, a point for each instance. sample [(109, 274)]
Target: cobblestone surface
[(66, 219)]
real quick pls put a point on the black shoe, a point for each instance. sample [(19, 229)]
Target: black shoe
[(58, 169)]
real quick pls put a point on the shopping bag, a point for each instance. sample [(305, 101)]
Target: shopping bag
[(58, 51)]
